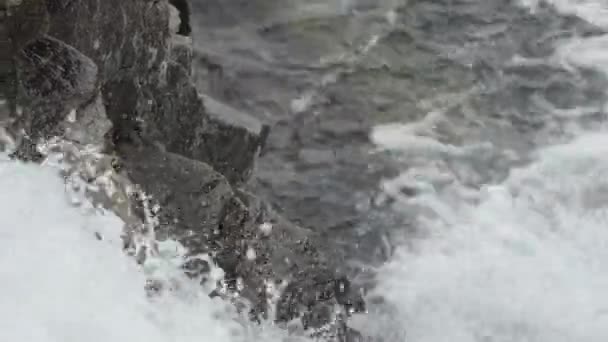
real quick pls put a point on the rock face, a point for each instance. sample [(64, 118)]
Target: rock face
[(55, 78), (325, 72), (145, 71), (201, 209), (118, 73)]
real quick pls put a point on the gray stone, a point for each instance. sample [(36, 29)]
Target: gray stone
[(174, 115), (26, 20), (121, 37), (50, 70), (89, 124), (191, 194), (200, 209), (181, 51), (54, 78), (237, 140), (123, 68), (316, 156)]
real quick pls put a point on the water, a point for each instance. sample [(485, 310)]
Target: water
[(60, 283), (510, 247), (521, 257)]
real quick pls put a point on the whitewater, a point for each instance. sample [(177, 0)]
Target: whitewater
[(65, 278), (524, 259)]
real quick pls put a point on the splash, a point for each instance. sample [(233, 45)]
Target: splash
[(521, 259), (64, 277)]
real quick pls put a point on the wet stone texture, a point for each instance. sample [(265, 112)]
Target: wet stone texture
[(324, 73), (201, 210), (119, 74)]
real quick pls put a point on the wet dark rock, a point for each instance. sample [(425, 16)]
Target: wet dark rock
[(144, 73), (323, 74), (187, 190), (200, 209), (234, 141), (316, 156), (171, 112), (123, 38), (181, 52), (196, 267), (183, 7), (124, 78), (26, 21)]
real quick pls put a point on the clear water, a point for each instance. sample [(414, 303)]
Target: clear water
[(525, 259)]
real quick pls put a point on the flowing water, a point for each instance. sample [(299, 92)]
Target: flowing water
[(522, 257), (65, 278), (511, 217)]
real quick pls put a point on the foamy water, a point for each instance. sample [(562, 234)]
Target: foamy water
[(522, 260), (60, 283)]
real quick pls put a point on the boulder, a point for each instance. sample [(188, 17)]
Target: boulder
[(113, 73), (200, 208), (173, 114), (54, 78)]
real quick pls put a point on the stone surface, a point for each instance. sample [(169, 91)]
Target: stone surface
[(145, 74), (200, 209), (173, 114), (52, 71), (322, 73), (115, 75), (27, 20)]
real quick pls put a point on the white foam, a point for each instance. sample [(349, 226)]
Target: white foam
[(526, 260), (59, 283)]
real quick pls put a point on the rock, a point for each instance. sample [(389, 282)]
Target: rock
[(54, 78), (53, 71), (183, 8), (179, 26), (145, 71), (89, 124), (181, 52), (200, 209), (300, 257), (124, 38), (313, 157), (21, 22), (191, 194), (8, 72), (116, 65), (174, 115)]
